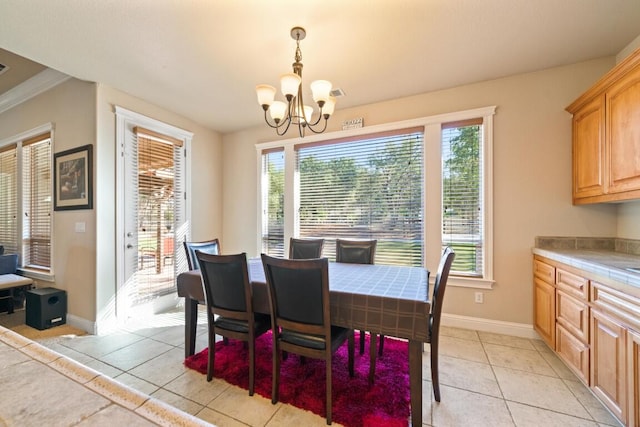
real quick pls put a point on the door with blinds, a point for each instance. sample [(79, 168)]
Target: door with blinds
[(154, 219)]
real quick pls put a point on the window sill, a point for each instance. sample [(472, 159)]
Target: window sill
[(37, 275), (467, 282)]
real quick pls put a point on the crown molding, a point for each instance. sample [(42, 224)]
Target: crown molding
[(36, 85)]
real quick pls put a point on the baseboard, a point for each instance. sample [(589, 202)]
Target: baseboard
[(80, 323), (522, 330)]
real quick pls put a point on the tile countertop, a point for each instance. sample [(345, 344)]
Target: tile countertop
[(607, 258), (42, 387)]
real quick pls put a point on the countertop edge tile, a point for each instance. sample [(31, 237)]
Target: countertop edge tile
[(609, 264)]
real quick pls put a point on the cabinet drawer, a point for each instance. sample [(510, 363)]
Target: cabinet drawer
[(574, 352), (623, 306), (573, 314), (572, 284), (544, 271)]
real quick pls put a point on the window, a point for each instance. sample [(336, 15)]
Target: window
[(25, 212), (273, 202), (365, 188), (462, 195), (416, 186), (9, 197)]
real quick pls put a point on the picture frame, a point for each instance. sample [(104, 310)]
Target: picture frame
[(73, 178)]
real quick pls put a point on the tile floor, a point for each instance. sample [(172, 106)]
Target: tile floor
[(486, 379)]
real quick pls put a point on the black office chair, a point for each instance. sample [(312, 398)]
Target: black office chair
[(437, 298), (305, 248), (211, 247), (229, 305), (301, 316), (361, 252)]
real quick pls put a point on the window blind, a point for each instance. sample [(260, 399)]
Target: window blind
[(36, 202), (273, 202), (365, 188), (159, 206), (462, 195), (9, 198)]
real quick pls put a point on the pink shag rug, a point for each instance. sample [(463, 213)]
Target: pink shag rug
[(355, 403)]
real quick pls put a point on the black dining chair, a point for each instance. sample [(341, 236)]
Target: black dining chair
[(301, 316), (230, 305), (361, 252), (305, 248), (211, 247), (437, 298)]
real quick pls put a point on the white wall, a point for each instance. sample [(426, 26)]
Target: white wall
[(532, 175)]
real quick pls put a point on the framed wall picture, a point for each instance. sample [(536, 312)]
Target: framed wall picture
[(73, 178)]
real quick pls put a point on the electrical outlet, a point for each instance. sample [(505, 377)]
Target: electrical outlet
[(479, 297)]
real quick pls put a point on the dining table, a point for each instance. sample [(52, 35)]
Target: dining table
[(382, 299)]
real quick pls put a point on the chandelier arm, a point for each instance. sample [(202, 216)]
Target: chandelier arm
[(285, 120), (319, 130)]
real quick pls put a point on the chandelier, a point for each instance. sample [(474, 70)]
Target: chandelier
[(294, 111)]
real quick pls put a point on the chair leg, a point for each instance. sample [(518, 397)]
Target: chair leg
[(252, 358), (351, 348), (212, 353), (361, 343), (328, 388), (372, 358), (275, 377), (381, 345), (435, 379)]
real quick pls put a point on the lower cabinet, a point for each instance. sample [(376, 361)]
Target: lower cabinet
[(633, 363), (574, 352), (544, 301), (594, 327), (608, 363)]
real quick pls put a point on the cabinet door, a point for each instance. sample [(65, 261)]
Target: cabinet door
[(623, 134), (588, 150), (573, 314), (544, 302), (633, 357), (573, 351), (608, 363)]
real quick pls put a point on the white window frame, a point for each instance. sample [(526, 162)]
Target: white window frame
[(48, 276), (432, 185)]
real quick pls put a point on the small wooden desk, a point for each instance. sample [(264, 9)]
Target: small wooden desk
[(382, 299)]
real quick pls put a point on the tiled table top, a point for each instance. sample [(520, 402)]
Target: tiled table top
[(41, 387)]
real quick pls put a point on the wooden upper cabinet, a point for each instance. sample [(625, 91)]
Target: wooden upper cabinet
[(588, 150), (623, 133), (606, 137)]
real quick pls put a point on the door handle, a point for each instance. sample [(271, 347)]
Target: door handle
[(129, 246)]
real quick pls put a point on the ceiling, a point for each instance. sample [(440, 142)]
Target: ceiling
[(203, 58)]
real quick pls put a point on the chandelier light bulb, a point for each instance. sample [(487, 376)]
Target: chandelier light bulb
[(266, 94), (289, 84), (329, 107), (321, 90), (277, 110)]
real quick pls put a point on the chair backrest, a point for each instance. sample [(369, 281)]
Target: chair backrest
[(305, 248), (356, 251), (226, 283), (211, 247), (438, 290), (299, 294)]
